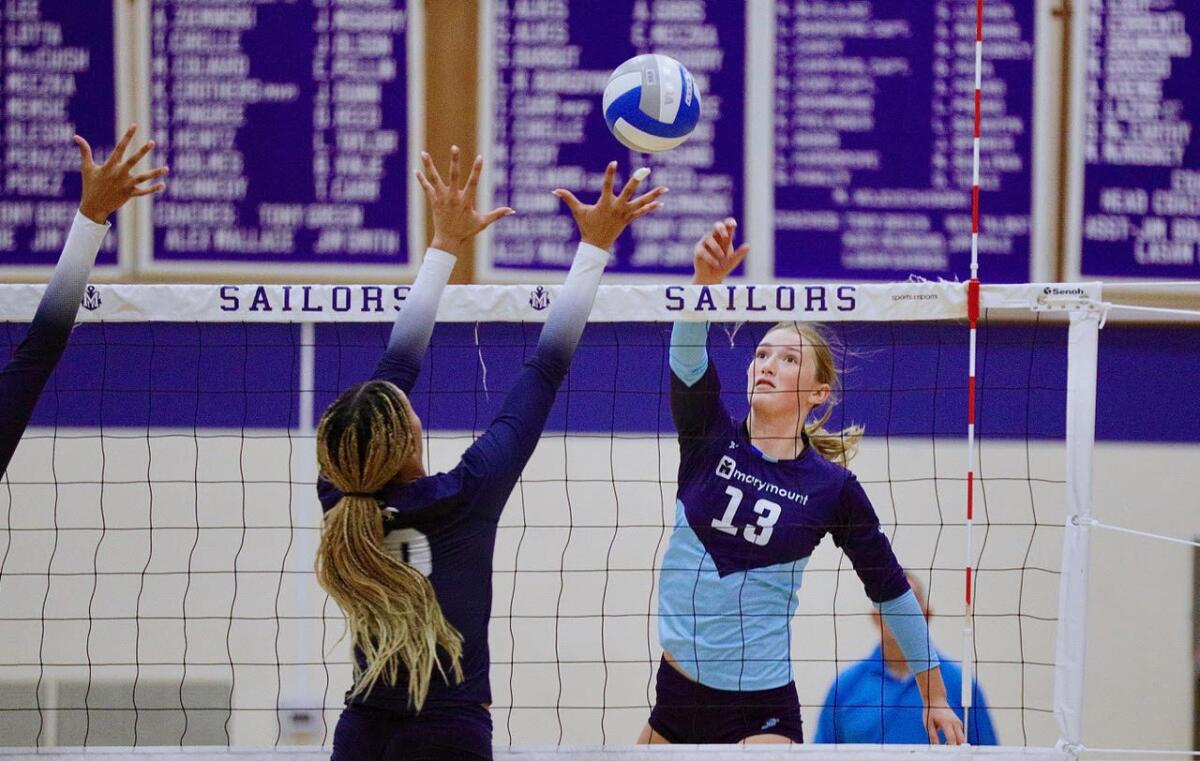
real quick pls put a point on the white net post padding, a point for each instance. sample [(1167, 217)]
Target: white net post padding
[(1071, 647), (300, 698)]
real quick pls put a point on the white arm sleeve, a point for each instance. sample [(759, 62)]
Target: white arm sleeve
[(414, 324), (60, 302), (570, 310)]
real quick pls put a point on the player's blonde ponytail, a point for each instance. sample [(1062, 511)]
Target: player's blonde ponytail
[(837, 446), (391, 610)]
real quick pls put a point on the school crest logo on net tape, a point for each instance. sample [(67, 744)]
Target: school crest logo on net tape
[(91, 299), (539, 298)]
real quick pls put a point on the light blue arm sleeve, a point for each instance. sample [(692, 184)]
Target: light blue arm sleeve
[(689, 351), (907, 622)]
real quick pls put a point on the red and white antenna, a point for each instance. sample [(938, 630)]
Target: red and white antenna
[(973, 323)]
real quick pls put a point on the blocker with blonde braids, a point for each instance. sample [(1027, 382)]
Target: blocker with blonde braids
[(363, 440), (408, 618)]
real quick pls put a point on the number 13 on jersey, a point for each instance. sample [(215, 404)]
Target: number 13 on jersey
[(758, 532)]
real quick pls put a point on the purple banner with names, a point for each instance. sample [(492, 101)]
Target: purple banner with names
[(873, 126), (59, 80), (552, 59), (1141, 191), (286, 127)]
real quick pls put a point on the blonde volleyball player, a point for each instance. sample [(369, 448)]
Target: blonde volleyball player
[(408, 556), (755, 497), (106, 188)]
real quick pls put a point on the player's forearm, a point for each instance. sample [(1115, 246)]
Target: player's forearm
[(689, 351), (60, 302), (503, 450), (517, 428), (24, 375), (414, 325), (570, 310), (932, 687)]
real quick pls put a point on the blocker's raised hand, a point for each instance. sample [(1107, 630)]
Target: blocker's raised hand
[(601, 223), (455, 220), (107, 186)]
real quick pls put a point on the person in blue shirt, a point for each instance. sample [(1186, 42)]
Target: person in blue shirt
[(106, 188), (755, 497), (408, 556), (877, 699)]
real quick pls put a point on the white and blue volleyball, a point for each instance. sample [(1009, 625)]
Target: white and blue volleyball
[(651, 103)]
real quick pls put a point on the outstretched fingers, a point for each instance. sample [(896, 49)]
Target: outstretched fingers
[(706, 256), (610, 179), (739, 255), (473, 179), (632, 185), (493, 215), (714, 249), (643, 211), (426, 185), (723, 234), (454, 173), (431, 171), (85, 152), (138, 155), (119, 151), (647, 198), (153, 174), (567, 197), (139, 192)]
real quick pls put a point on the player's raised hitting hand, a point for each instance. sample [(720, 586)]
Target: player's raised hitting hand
[(455, 219), (107, 186), (714, 256), (601, 223)]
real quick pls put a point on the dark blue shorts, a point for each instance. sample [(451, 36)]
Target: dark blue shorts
[(437, 734), (688, 712)]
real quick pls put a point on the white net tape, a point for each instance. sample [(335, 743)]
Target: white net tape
[(520, 303)]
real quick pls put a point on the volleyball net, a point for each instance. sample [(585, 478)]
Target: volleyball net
[(159, 521)]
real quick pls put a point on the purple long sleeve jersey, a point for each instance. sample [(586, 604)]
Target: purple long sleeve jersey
[(445, 524)]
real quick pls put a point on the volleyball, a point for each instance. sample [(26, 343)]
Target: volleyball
[(651, 103)]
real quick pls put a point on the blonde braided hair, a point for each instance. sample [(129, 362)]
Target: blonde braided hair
[(393, 614)]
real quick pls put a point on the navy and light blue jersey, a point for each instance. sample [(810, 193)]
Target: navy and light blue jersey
[(445, 525), (745, 527), (24, 376)]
